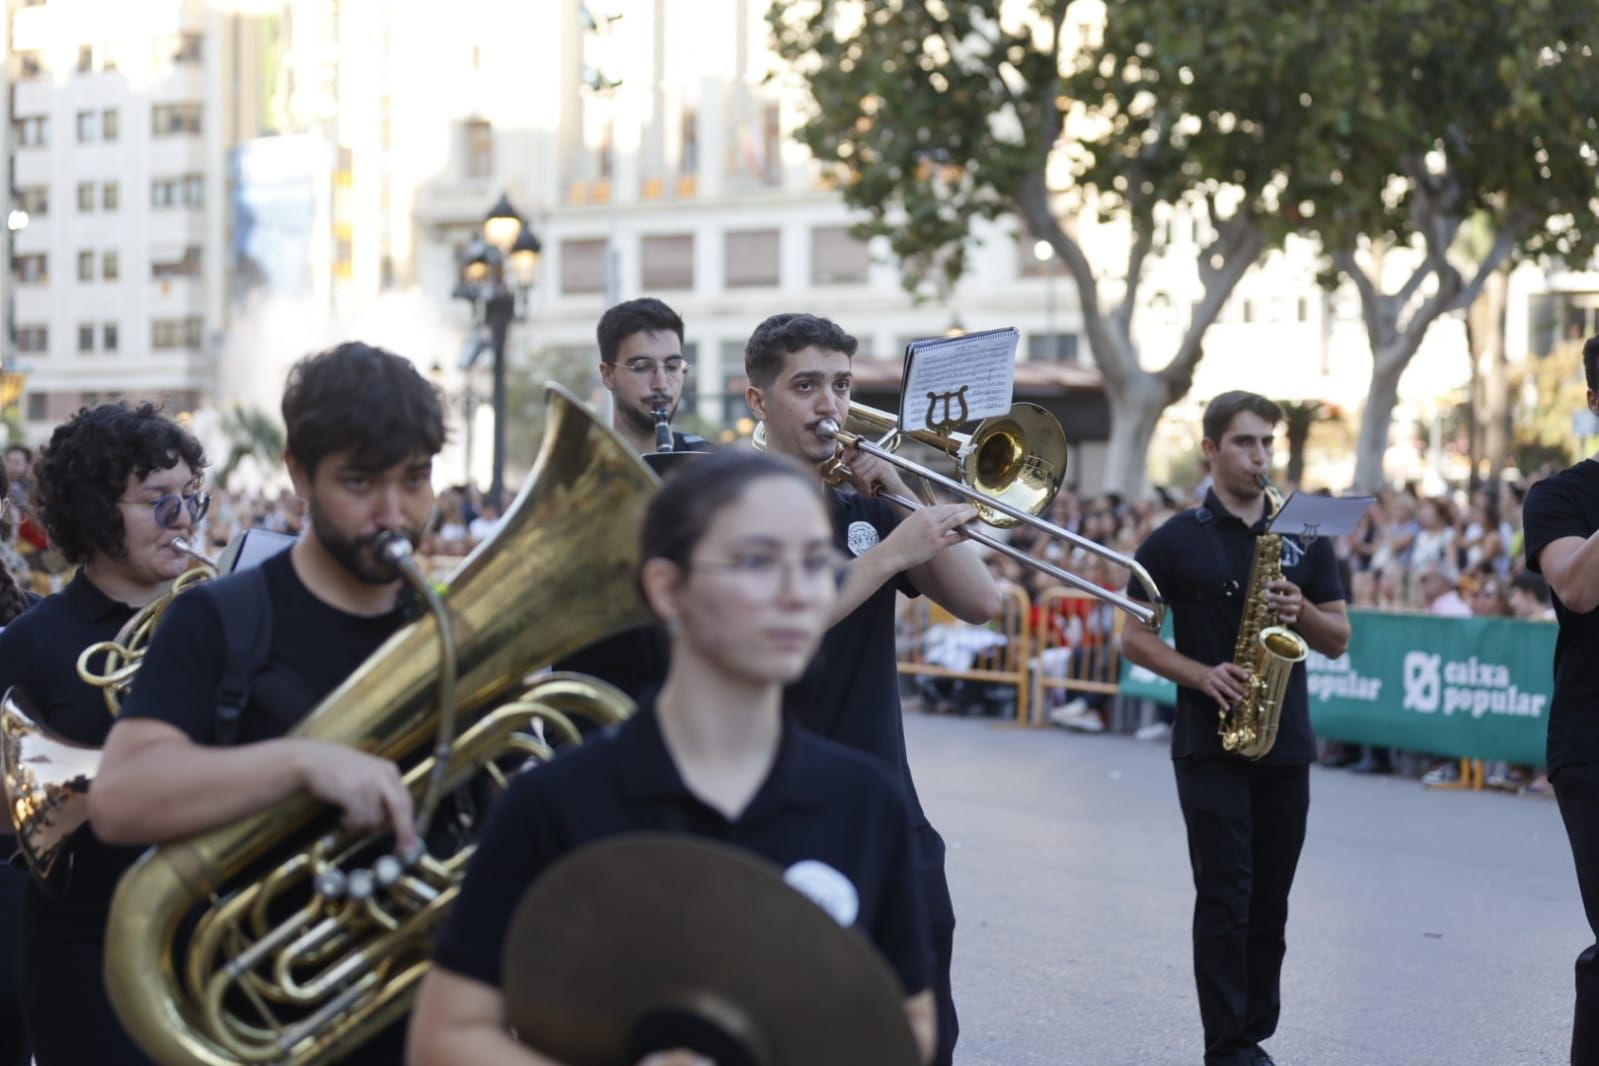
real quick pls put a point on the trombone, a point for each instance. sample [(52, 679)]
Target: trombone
[(1010, 470)]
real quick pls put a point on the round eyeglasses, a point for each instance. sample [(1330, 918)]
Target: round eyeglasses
[(169, 509)]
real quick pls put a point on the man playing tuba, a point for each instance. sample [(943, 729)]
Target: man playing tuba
[(362, 430), (1245, 817)]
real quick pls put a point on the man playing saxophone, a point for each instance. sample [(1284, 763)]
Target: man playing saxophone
[(1245, 817), (362, 430), (117, 487)]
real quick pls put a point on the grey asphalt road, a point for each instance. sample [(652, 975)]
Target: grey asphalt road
[(1426, 927)]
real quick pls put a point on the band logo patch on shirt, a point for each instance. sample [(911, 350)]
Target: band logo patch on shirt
[(1293, 551), (827, 888), (862, 538)]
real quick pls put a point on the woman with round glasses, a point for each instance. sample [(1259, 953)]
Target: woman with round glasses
[(115, 491), (739, 563)]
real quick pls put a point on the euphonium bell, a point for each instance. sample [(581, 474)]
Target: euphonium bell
[(47, 780)]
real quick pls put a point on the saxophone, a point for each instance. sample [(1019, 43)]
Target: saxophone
[(1267, 650)]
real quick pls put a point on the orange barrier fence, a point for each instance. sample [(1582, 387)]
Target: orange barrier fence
[(1068, 641), (933, 643), (1076, 642)]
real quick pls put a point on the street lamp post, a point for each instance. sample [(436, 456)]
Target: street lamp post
[(498, 299)]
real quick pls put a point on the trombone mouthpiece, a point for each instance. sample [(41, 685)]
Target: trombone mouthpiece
[(827, 428)]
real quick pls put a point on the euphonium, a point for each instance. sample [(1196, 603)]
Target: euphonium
[(1268, 651), (44, 775), (257, 942)]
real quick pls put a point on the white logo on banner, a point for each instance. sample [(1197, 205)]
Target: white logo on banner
[(1467, 686), (1422, 682)]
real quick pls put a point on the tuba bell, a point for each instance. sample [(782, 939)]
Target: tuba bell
[(262, 941)]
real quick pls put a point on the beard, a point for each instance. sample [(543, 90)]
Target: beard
[(358, 555), (643, 421)]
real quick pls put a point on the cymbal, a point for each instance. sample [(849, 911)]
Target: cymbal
[(646, 942)]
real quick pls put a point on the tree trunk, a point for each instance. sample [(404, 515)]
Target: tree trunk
[(1134, 413), (1377, 417), (1474, 395), (1495, 412)]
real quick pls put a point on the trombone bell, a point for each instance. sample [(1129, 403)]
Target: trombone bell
[(1017, 458)]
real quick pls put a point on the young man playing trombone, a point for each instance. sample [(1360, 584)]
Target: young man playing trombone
[(798, 367)]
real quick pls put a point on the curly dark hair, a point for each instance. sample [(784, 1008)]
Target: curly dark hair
[(646, 314), (12, 601), (361, 397), (774, 339), (84, 470)]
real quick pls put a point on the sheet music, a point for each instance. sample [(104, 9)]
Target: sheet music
[(958, 379), (1308, 515)]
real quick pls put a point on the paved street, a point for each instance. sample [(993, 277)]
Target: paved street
[(1428, 927)]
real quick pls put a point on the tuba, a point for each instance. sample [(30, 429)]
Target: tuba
[(277, 938), (1268, 651), (46, 777)]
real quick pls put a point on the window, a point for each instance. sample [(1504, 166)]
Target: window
[(108, 337), (85, 196), (85, 58), (837, 258), (479, 140), (110, 266), (32, 131), (179, 48), (668, 262), (31, 66), (734, 406), (167, 120), (772, 144), (1302, 310), (185, 191), (38, 406), (1052, 347), (110, 125), (33, 339), (184, 264), (752, 258), (85, 338), (31, 269), (85, 266), (88, 122), (35, 200), (109, 196), (688, 159), (582, 266), (169, 333)]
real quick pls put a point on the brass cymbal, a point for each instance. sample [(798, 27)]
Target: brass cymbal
[(647, 942)]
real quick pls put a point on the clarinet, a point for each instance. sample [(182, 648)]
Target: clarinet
[(663, 429)]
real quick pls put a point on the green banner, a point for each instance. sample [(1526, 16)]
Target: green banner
[(1474, 688)]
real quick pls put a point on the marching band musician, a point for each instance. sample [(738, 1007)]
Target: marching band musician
[(642, 365), (117, 485), (13, 878), (798, 366), (1246, 820), (362, 428), (738, 561)]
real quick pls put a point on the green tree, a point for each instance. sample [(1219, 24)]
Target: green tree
[(251, 433), (1458, 112)]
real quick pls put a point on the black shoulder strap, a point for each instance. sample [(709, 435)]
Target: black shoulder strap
[(247, 635)]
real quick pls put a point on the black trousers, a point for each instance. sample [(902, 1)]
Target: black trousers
[(1577, 790), (13, 1033), (941, 928), (70, 1018), (1246, 826)]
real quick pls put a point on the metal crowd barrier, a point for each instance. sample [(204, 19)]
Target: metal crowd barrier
[(1076, 648), (933, 643)]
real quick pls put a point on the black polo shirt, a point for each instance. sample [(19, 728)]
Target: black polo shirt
[(850, 692), (1567, 505), (314, 647), (39, 654), (820, 803), (1200, 558)]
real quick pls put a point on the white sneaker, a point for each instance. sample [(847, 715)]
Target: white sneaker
[(1153, 731), (1068, 713)]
